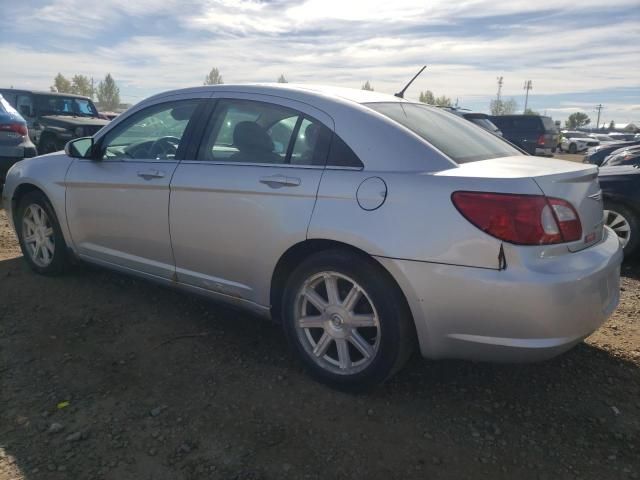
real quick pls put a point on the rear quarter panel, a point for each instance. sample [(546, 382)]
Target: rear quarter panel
[(417, 220)]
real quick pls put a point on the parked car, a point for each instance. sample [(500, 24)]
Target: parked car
[(576, 142), (596, 155), (627, 156), (621, 192), (624, 137), (535, 134), (54, 118), (602, 138), (364, 223), (14, 138), (480, 119)]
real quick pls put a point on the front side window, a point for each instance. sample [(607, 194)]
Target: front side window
[(153, 133), (452, 135), (59, 105), (24, 105), (244, 131)]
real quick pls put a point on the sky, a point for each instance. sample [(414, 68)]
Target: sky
[(576, 53)]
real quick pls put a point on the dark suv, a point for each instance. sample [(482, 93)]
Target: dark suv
[(54, 118), (535, 134)]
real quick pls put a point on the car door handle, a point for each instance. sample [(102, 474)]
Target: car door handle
[(149, 174), (277, 181)]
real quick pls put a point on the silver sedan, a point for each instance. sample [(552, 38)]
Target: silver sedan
[(366, 224)]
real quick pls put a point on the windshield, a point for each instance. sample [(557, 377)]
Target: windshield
[(57, 105), (485, 123), (452, 135)]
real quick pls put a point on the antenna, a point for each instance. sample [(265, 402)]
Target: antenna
[(400, 94)]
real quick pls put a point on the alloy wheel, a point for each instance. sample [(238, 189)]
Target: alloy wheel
[(37, 233), (619, 224), (337, 323)]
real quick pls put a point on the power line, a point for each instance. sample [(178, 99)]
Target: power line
[(599, 108), (499, 88), (528, 85)]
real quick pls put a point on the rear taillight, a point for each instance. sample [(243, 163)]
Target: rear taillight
[(541, 140), (520, 219), (14, 127)]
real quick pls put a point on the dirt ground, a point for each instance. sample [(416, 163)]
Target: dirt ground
[(107, 377)]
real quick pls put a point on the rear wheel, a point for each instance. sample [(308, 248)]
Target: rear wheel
[(40, 235), (626, 224), (346, 320)]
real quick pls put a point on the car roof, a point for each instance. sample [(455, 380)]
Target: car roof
[(42, 92), (296, 91)]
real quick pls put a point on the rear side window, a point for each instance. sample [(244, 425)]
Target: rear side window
[(249, 132), (452, 135), (340, 155)]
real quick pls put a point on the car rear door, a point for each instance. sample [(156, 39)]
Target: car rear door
[(248, 194), (117, 206)]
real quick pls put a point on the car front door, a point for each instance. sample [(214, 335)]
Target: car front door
[(248, 194), (117, 204)]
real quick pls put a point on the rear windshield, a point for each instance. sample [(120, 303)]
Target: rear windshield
[(452, 135), (548, 124), (484, 123)]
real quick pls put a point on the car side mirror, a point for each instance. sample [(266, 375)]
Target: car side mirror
[(26, 110), (80, 148)]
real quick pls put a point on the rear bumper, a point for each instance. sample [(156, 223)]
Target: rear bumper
[(544, 150), (514, 315)]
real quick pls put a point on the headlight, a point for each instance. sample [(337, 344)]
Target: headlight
[(79, 131)]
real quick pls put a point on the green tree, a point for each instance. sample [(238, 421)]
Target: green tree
[(281, 79), (367, 86), (502, 107), (81, 85), (443, 101), (528, 111), (612, 125), (577, 119), (214, 77), (108, 93), (427, 97), (61, 84)]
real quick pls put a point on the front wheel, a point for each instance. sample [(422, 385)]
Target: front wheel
[(626, 224), (346, 320), (40, 236), (573, 148)]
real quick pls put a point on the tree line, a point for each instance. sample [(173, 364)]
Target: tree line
[(107, 92), (108, 95)]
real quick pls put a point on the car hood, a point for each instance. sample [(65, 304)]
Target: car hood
[(68, 120)]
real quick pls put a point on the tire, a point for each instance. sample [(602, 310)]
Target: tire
[(37, 225), (47, 144), (573, 148), (379, 316), (626, 223)]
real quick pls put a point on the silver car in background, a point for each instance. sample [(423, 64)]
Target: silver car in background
[(364, 223)]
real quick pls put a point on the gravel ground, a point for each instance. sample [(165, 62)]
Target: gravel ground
[(106, 377)]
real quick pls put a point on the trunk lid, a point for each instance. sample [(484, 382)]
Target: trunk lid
[(574, 182)]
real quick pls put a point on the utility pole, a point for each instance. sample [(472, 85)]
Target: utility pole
[(599, 108), (499, 88), (527, 86), (92, 90)]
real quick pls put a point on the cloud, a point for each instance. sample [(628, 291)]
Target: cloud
[(151, 46)]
